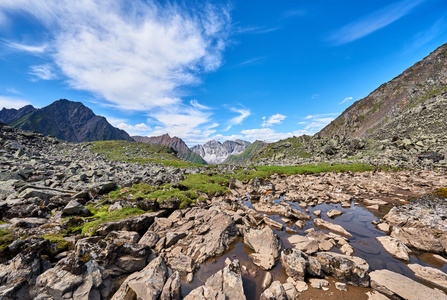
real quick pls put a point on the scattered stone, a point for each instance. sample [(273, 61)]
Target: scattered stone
[(395, 247), (332, 227), (318, 283), (341, 286), (334, 213), (74, 208), (275, 291), (266, 244), (295, 263)]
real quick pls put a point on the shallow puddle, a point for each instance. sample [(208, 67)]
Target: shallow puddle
[(357, 220)]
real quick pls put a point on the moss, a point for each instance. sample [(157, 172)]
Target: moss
[(6, 238), (442, 192), (85, 258), (58, 239)]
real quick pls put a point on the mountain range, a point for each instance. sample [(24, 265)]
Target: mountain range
[(214, 152), (176, 143), (65, 120)]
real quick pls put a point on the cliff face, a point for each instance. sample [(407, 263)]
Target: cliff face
[(214, 152), (423, 81), (176, 143), (66, 120)]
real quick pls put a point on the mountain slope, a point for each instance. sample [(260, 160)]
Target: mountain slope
[(176, 143), (214, 152), (419, 83), (70, 121), (245, 156), (10, 115)]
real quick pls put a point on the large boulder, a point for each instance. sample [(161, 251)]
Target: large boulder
[(348, 269), (225, 284), (395, 247), (276, 291), (393, 284), (146, 284), (74, 208), (266, 245), (173, 288), (295, 263)]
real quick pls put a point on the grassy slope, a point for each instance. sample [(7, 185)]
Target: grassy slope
[(291, 147), (248, 153)]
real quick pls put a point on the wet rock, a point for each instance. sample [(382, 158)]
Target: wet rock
[(267, 280), (332, 227), (334, 213), (295, 263), (384, 227), (275, 292), (74, 208), (393, 284), (395, 247), (273, 224), (265, 243), (145, 284), (173, 288), (303, 243), (225, 284), (431, 275), (348, 269)]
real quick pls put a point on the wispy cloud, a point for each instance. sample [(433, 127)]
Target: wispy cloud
[(250, 61), (309, 117), (274, 119), (255, 30), (135, 55), (26, 48), (315, 96), (43, 72), (345, 100), (12, 102), (294, 13), (374, 21), (137, 129), (437, 29), (243, 114)]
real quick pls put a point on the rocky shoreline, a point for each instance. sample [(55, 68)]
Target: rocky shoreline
[(342, 235)]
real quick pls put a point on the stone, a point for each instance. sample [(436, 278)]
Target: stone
[(384, 227), (266, 244), (301, 286), (74, 208), (431, 275), (273, 224), (173, 237), (347, 249), (275, 292), (318, 283), (348, 269), (393, 284), (295, 263), (334, 213), (124, 236), (150, 239), (303, 243), (395, 247), (267, 280), (341, 286), (225, 284), (145, 284), (332, 227), (317, 213), (374, 295), (172, 289), (291, 291), (181, 263)]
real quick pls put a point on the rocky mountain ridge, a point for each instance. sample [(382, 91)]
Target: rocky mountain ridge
[(65, 120), (214, 152), (176, 143), (415, 86)]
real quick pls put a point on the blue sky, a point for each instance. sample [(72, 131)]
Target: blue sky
[(211, 70)]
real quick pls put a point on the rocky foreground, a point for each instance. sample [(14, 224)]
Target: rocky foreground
[(334, 235)]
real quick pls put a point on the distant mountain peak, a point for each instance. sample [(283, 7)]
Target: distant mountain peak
[(215, 152)]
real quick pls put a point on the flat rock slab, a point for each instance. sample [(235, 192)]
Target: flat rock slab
[(332, 227), (395, 247), (394, 284), (432, 275)]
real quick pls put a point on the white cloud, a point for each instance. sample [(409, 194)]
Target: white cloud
[(320, 115), (250, 61), (374, 21), (134, 129), (115, 121), (243, 114), (137, 55), (316, 122), (346, 100), (43, 72), (12, 102), (268, 134), (26, 48), (315, 96), (274, 119)]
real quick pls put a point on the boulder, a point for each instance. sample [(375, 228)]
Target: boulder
[(334, 213), (150, 239), (276, 291), (74, 208), (146, 284), (295, 263), (332, 227), (351, 270), (225, 284), (393, 284), (17, 289), (395, 247), (266, 245), (173, 288), (124, 236)]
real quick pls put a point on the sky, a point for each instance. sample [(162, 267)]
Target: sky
[(203, 70)]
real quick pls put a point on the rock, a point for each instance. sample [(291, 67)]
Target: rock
[(28, 222), (332, 227), (374, 295), (150, 239), (267, 280), (341, 286), (273, 224), (395, 247), (393, 284), (317, 213), (334, 213), (303, 243), (318, 283), (275, 292), (301, 286), (172, 289), (225, 284), (295, 263), (347, 249), (181, 263), (384, 227), (291, 291), (348, 269), (174, 237), (145, 284), (124, 236), (266, 245), (74, 208), (17, 289), (431, 275)]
